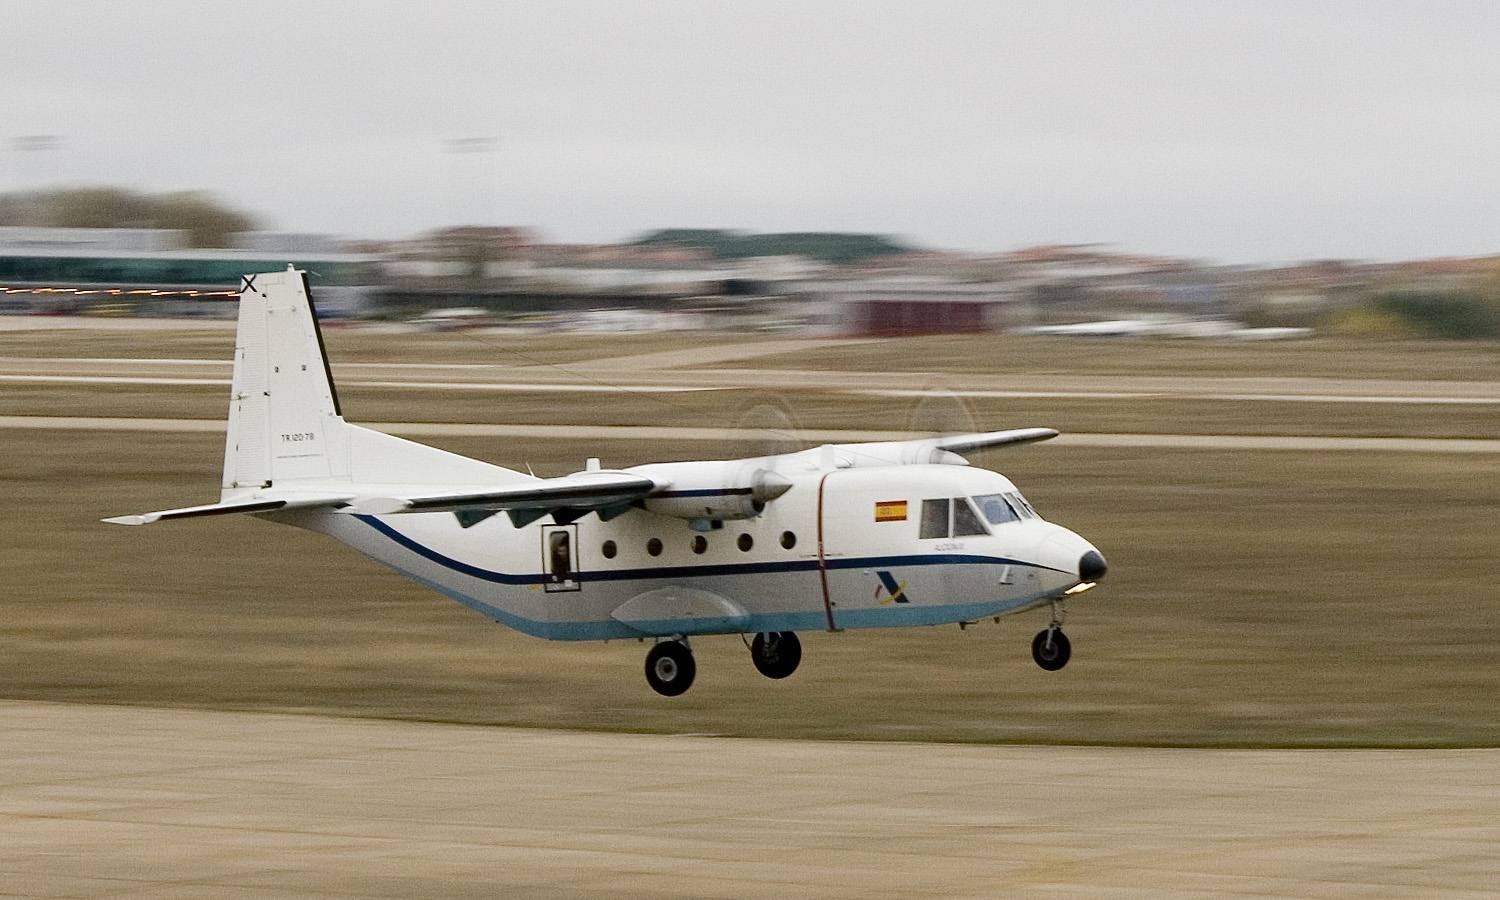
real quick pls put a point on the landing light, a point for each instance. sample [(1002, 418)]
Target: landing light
[(1081, 587), (114, 292)]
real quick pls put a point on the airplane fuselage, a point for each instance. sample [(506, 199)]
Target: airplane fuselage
[(843, 548)]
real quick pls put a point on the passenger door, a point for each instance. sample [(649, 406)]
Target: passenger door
[(560, 558)]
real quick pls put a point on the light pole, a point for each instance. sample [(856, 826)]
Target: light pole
[(32, 144), (477, 250), (483, 149)]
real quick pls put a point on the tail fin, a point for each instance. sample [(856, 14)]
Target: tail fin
[(284, 420), (285, 425)]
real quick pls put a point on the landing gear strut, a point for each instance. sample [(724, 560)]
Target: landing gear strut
[(670, 668), (776, 653), (1051, 648)]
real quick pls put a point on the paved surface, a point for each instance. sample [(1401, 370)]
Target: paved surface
[(102, 323), (806, 436), (635, 374), (124, 802)]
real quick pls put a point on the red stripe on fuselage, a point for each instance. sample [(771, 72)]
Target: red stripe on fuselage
[(822, 559)]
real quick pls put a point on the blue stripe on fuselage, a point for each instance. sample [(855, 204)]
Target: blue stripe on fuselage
[(659, 572)]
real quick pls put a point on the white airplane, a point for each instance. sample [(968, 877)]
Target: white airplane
[(872, 535)]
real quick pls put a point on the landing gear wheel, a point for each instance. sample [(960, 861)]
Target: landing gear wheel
[(776, 653), (670, 668), (1051, 649)]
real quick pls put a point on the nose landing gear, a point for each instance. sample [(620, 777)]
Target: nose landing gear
[(1051, 648)]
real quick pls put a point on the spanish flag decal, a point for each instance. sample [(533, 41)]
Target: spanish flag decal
[(890, 510)]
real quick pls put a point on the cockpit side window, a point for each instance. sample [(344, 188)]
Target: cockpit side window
[(996, 509), (1021, 506), (965, 519), (934, 518)]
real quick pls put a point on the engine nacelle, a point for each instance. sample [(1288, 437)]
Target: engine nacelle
[(712, 490)]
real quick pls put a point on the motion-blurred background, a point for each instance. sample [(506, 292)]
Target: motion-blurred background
[(1163, 227)]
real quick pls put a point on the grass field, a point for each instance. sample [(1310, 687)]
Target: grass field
[(1254, 599)]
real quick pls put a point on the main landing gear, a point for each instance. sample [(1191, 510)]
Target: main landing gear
[(670, 668), (1051, 648), (776, 653)]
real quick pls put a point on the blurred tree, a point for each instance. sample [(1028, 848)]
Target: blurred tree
[(1365, 321), (1444, 314), (1489, 288), (836, 247), (207, 220)]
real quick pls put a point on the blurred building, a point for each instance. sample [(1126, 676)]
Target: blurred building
[(888, 305), (126, 271), (514, 277), (507, 275)]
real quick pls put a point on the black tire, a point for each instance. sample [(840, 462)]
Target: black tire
[(1054, 656), (776, 654), (670, 668)]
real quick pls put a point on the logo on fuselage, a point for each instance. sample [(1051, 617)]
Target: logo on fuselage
[(894, 592)]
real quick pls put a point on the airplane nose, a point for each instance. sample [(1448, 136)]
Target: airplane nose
[(1091, 567)]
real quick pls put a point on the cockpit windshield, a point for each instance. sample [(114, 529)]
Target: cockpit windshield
[(1002, 508)]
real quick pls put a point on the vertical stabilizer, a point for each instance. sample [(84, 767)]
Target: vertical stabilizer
[(284, 420)]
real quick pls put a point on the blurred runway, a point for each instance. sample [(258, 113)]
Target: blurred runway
[(810, 436), (131, 802), (599, 377)]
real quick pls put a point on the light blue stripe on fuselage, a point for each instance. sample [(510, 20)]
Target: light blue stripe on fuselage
[(607, 629)]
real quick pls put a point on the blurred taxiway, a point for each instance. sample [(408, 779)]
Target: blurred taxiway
[(138, 802)]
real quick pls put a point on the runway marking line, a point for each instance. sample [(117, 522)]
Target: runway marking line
[(811, 436)]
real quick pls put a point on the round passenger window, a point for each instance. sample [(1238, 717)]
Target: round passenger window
[(746, 542), (788, 540), (653, 546), (609, 549), (700, 543)]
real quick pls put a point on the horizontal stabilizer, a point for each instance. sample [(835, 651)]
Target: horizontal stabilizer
[(232, 506)]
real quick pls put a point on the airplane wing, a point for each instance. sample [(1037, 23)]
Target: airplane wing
[(940, 450), (569, 497), (963, 443), (583, 490)]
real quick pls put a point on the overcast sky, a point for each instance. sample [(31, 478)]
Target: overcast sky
[(1236, 131)]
